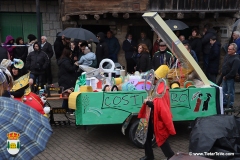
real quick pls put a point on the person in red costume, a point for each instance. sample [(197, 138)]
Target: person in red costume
[(160, 123)]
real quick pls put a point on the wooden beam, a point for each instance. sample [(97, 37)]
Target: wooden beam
[(65, 18), (115, 15), (180, 15), (126, 16), (83, 16), (97, 16)]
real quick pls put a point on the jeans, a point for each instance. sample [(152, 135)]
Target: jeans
[(229, 89)]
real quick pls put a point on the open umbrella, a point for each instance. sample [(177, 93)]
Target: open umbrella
[(79, 33), (176, 25), (34, 130)]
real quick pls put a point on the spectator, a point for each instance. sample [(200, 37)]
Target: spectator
[(31, 40), (47, 48), (213, 59), (3, 53), (75, 50), (58, 46), (113, 46), (92, 46), (130, 48), (236, 39), (229, 69), (66, 73), (208, 33), (188, 47), (145, 40), (37, 62), (143, 58), (196, 43), (7, 45), (20, 52), (87, 59), (83, 45), (162, 56), (156, 45), (3, 85), (102, 48), (181, 38)]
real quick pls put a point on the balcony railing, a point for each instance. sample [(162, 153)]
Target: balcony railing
[(194, 5)]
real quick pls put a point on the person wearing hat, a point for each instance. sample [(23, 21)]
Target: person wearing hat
[(160, 121), (37, 61), (4, 84), (162, 56)]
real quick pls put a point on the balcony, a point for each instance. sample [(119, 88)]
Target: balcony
[(194, 5)]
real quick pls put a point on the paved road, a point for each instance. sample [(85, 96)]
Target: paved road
[(106, 142)]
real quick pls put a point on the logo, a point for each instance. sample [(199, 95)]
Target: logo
[(13, 143)]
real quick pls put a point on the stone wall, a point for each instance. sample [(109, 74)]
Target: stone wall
[(51, 20)]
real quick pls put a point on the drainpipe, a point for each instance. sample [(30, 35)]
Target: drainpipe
[(38, 22)]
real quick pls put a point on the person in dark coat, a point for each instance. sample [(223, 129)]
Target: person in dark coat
[(58, 46), (196, 43), (113, 46), (145, 40), (37, 61), (20, 52), (48, 49), (3, 54), (230, 67), (130, 48), (66, 73), (206, 46), (156, 45), (162, 56), (143, 58), (9, 41), (213, 59), (102, 48)]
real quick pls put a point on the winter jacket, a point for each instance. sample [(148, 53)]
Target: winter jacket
[(230, 66), (9, 48), (214, 58), (113, 48), (162, 57), (66, 73), (196, 44), (3, 54), (87, 59), (162, 117), (147, 42), (237, 41), (58, 47), (20, 53), (206, 41), (129, 48), (194, 55), (155, 47), (143, 62), (102, 48), (47, 48), (37, 62)]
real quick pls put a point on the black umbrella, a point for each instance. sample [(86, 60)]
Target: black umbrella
[(176, 25), (79, 33)]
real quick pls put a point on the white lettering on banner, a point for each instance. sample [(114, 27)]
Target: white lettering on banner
[(211, 154)]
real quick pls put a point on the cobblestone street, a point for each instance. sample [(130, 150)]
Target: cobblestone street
[(106, 142)]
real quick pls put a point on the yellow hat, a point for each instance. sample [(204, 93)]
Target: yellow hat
[(162, 71)]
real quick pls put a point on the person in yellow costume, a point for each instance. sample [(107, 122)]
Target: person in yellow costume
[(21, 89)]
